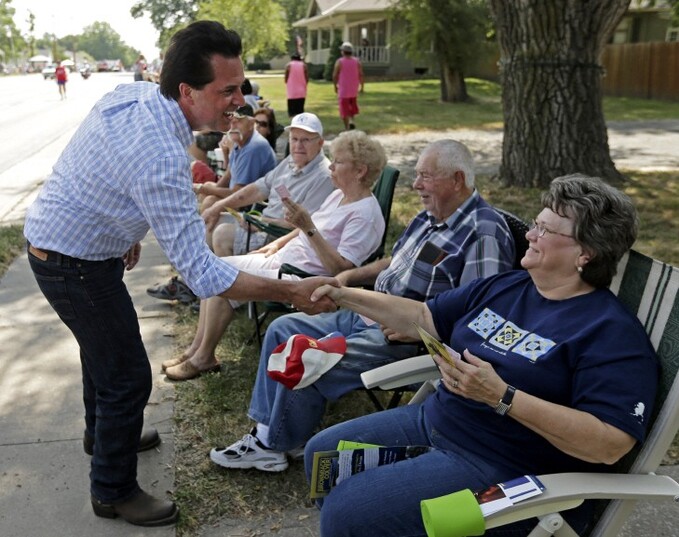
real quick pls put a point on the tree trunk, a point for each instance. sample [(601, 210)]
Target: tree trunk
[(453, 86), (551, 88)]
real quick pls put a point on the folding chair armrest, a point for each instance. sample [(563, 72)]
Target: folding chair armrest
[(402, 373), (569, 490), (270, 229), (287, 268)]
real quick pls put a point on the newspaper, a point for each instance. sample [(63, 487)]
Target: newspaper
[(331, 467), (500, 496)]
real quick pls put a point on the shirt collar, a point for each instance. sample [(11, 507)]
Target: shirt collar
[(457, 213), (182, 127), (309, 165)]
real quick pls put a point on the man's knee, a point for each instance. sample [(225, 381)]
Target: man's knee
[(223, 239)]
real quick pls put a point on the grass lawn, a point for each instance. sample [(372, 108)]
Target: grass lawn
[(413, 105), (211, 411)]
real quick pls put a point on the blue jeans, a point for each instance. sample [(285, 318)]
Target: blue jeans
[(92, 300), (294, 415), (385, 501)]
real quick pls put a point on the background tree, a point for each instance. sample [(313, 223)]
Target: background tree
[(167, 16), (294, 10), (551, 87), (31, 33), (262, 24), (103, 42), (8, 32), (456, 30)]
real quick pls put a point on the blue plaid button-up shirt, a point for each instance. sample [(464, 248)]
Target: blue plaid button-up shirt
[(126, 170), (476, 243)]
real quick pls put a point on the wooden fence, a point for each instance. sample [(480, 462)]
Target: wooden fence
[(645, 70)]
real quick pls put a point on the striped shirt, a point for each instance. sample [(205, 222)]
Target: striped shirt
[(476, 243), (125, 171)]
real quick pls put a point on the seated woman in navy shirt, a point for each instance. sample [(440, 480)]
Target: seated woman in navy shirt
[(555, 376)]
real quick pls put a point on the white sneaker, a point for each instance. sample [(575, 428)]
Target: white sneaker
[(296, 454), (248, 452)]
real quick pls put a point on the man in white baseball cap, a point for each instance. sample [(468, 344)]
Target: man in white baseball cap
[(306, 122)]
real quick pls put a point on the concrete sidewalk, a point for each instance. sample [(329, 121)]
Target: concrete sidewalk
[(44, 473)]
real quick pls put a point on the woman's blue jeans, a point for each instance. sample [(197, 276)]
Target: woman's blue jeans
[(92, 300), (385, 501)]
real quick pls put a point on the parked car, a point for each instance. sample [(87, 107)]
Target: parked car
[(48, 72), (102, 66)]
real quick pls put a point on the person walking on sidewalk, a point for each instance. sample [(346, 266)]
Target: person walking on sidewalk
[(85, 227), (347, 76)]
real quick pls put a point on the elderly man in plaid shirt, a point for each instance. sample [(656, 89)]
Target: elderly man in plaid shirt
[(457, 238)]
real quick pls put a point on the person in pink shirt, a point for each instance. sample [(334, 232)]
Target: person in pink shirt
[(347, 77), (61, 76), (296, 80)]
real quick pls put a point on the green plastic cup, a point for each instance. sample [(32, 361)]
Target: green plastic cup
[(454, 515)]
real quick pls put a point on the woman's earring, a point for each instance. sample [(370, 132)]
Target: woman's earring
[(580, 270)]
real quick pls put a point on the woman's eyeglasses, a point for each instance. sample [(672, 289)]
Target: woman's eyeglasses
[(542, 230), (262, 123)]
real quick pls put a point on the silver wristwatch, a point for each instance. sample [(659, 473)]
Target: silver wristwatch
[(504, 404)]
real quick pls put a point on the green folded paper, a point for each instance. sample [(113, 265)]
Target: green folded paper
[(454, 515)]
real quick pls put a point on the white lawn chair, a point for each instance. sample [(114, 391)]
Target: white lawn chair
[(650, 289)]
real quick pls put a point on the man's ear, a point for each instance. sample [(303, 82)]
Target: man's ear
[(459, 178), (186, 92)]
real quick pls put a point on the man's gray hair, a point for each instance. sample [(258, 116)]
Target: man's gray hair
[(453, 156)]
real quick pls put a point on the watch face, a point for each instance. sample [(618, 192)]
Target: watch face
[(502, 408)]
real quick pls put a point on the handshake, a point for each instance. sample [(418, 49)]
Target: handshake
[(319, 294)]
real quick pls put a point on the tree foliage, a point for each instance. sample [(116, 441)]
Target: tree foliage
[(262, 24), (456, 31), (167, 16), (295, 10), (103, 42), (7, 26)]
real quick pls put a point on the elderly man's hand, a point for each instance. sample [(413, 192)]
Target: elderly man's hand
[(393, 335), (303, 290), (211, 217)]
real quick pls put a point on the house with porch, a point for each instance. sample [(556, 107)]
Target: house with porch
[(367, 24)]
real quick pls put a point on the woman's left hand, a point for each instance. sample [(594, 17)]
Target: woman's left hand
[(268, 249), (297, 215), (472, 378)]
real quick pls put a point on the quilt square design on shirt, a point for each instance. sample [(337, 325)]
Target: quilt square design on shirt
[(507, 336), (486, 323), (533, 346)]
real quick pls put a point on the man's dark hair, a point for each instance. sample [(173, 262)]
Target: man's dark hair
[(187, 59)]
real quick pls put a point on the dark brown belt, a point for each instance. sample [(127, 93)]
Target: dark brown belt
[(53, 257)]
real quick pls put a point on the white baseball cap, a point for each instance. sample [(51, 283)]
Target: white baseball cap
[(307, 122)]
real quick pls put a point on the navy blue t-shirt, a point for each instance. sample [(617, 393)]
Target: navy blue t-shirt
[(587, 352)]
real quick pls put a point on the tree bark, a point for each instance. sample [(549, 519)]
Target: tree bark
[(551, 88), (453, 86)]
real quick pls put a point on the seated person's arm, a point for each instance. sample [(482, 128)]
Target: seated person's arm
[(577, 433), (329, 256), (240, 198), (272, 247), (396, 312), (365, 275)]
